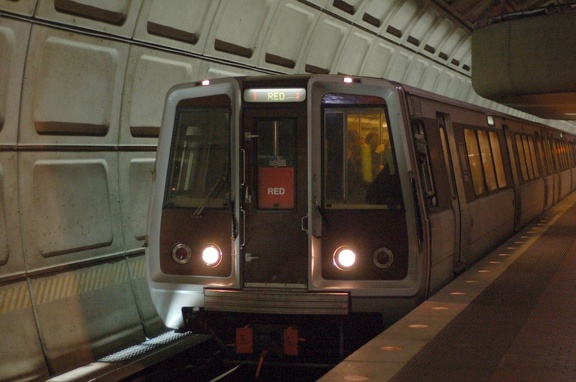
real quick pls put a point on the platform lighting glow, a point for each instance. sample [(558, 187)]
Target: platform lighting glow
[(211, 255), (348, 80), (205, 82), (344, 258)]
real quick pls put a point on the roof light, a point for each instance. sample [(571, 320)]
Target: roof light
[(490, 120)]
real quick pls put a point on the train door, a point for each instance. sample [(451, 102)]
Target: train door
[(459, 204), (274, 245)]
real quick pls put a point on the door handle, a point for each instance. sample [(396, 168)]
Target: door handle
[(248, 257), (304, 223), (247, 196)]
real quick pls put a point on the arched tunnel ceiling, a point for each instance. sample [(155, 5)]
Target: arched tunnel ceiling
[(473, 14), (422, 43), (522, 52)]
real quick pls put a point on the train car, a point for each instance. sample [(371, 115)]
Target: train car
[(332, 196)]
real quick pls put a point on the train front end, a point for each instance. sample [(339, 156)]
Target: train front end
[(283, 195)]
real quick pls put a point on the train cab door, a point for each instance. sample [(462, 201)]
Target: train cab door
[(274, 241)]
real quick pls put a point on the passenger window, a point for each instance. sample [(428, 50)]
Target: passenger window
[(533, 156), (528, 157), (487, 162), (359, 162), (548, 155), (497, 156), (475, 161), (522, 157), (448, 160), (276, 162)]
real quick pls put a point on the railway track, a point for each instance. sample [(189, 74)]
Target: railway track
[(187, 356)]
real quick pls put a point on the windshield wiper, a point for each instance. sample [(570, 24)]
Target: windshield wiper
[(213, 192)]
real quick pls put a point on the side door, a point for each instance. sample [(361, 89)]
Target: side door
[(458, 197), (274, 250)]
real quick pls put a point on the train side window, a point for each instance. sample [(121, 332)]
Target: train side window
[(564, 153), (532, 149), (497, 156), (522, 157), (541, 156), (447, 160), (529, 163), (548, 155), (487, 162), (198, 167), (359, 161), (475, 161)]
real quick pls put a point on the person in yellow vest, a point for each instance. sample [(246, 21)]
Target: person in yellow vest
[(372, 157)]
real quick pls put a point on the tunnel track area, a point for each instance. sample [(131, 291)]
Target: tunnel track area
[(187, 356)]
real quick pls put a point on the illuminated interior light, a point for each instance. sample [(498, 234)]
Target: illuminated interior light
[(205, 82), (181, 253), (348, 80), (418, 326), (344, 258), (211, 255)]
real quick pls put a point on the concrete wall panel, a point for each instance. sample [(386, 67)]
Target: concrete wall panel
[(14, 36), (22, 7), (70, 209), (354, 52), (290, 30), (239, 29), (135, 186), (72, 88), (149, 75), (11, 257), (21, 356), (325, 45), (86, 314), (151, 322), (110, 16), (181, 24), (378, 60)]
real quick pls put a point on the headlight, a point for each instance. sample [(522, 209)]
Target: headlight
[(344, 258), (211, 255), (383, 258), (181, 253)]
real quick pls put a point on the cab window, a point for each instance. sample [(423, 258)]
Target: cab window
[(198, 167), (359, 164)]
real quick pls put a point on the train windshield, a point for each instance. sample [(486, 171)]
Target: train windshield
[(359, 162), (198, 168)]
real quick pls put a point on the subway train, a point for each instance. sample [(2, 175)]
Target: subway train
[(332, 198)]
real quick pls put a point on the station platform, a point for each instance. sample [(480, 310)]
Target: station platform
[(511, 317)]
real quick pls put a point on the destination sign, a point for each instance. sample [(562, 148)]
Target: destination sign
[(275, 95)]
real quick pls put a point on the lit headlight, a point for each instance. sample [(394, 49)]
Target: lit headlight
[(344, 258), (181, 253), (211, 255)]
